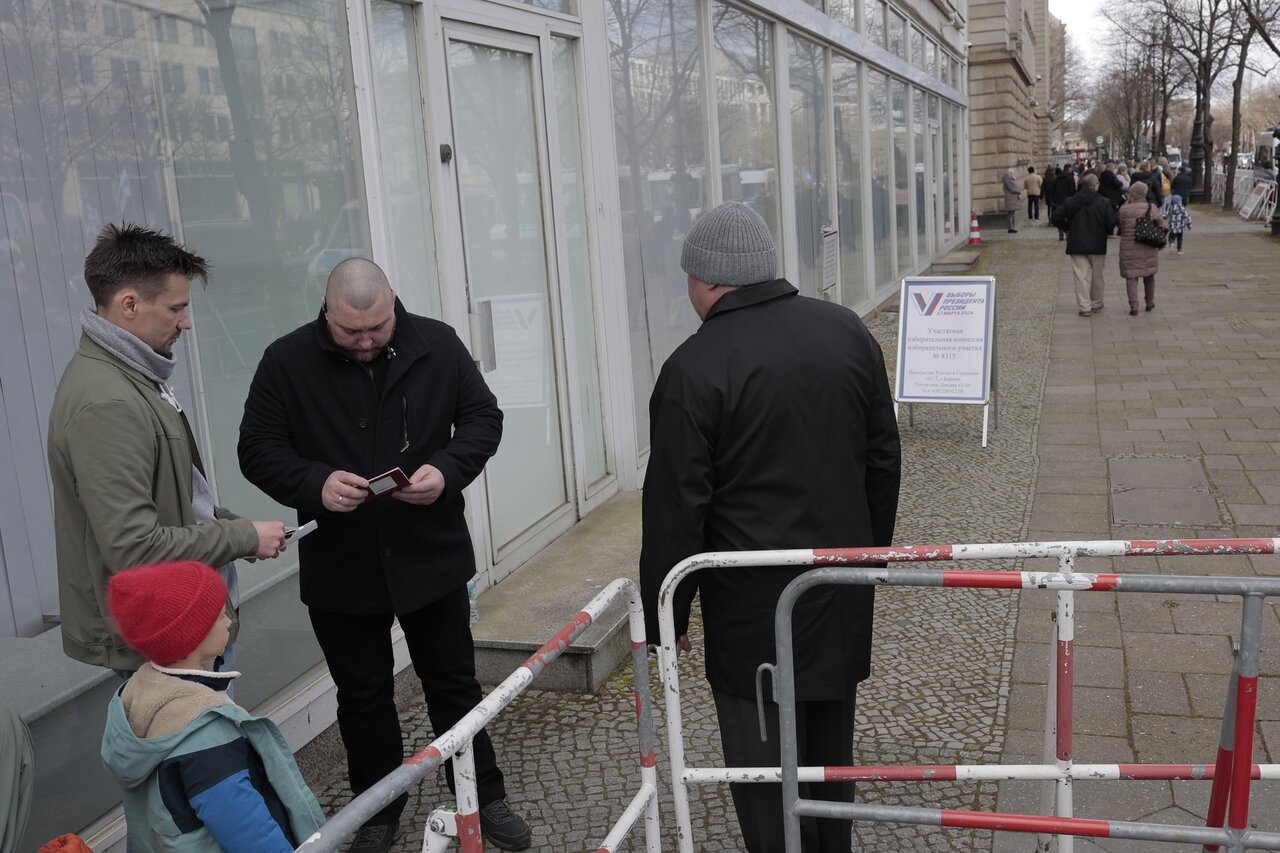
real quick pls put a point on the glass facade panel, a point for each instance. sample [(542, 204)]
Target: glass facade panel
[(848, 132), (948, 196), (944, 68), (957, 122), (917, 48), (276, 218), (897, 34), (810, 155), (844, 11), (902, 174), (397, 88), (881, 176), (919, 172), (659, 130), (572, 185), (743, 63), (250, 155), (931, 57), (500, 173), (874, 10), (566, 6)]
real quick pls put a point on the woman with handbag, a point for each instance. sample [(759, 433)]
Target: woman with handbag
[(1143, 234)]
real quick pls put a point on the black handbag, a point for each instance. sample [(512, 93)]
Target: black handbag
[(1146, 232)]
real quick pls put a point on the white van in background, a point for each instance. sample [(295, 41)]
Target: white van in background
[(1174, 156)]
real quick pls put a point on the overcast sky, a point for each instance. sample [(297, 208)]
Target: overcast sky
[(1084, 23)]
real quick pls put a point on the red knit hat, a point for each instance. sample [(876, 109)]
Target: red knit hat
[(165, 611)]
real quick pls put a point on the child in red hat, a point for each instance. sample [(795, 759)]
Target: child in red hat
[(197, 770)]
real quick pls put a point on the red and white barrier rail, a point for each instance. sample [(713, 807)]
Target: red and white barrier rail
[(463, 822), (1231, 773)]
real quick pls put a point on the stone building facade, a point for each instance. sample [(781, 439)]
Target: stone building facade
[(1013, 61)]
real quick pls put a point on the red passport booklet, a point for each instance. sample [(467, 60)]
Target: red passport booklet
[(386, 484)]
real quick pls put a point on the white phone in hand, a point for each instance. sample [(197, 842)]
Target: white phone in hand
[(293, 534)]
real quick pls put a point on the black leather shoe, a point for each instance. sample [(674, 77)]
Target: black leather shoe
[(1133, 312), (506, 829), (1151, 306), (375, 837)]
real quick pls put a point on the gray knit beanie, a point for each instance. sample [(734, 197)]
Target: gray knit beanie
[(731, 246)]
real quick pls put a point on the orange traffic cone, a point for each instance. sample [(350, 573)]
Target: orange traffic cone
[(975, 236)]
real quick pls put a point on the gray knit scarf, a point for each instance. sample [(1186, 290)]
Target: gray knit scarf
[(136, 353)]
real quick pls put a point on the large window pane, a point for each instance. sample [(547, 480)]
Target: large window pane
[(844, 11), (918, 173), (881, 176), (402, 152), (873, 24), (745, 111), (277, 216), (809, 158), (659, 129), (917, 48), (848, 132), (948, 196), (901, 176), (573, 192), (897, 35)]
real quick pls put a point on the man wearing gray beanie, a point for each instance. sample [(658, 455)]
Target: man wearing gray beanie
[(771, 427)]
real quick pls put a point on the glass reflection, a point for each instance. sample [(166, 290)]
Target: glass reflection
[(573, 191), (744, 81), (881, 176), (500, 178), (874, 11), (901, 176), (848, 132), (920, 171), (659, 132), (809, 146)]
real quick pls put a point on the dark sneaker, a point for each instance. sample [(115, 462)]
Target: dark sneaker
[(506, 829), (375, 837)]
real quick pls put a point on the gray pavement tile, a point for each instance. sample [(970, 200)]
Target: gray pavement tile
[(1177, 652), (1068, 512), (1072, 485), (1253, 514), (1174, 740), (1223, 618), (1187, 506), (1209, 695), (1158, 693), (1219, 461)]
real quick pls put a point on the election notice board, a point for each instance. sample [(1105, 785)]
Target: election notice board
[(946, 340)]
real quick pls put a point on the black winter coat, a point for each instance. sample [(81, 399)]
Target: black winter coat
[(1064, 187), (771, 427), (1181, 185), (1087, 218), (311, 411), (1110, 188)]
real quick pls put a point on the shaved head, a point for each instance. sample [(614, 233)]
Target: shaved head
[(357, 282)]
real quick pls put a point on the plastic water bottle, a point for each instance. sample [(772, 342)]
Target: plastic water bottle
[(471, 599)]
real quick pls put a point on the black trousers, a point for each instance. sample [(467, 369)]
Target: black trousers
[(357, 648), (825, 733), (1033, 207)]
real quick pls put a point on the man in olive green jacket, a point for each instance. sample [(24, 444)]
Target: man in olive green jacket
[(128, 484)]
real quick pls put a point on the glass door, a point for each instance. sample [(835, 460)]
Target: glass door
[(935, 194), (499, 138)]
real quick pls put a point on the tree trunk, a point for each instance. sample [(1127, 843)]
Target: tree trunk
[(1228, 193)]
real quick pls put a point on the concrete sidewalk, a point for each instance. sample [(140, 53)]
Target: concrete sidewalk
[(1166, 424)]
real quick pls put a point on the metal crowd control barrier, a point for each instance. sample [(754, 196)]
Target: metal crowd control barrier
[(1231, 773), (464, 822)]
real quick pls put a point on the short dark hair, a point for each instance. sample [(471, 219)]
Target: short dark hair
[(128, 254), (1031, 170)]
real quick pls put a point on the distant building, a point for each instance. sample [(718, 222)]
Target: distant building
[(1010, 86)]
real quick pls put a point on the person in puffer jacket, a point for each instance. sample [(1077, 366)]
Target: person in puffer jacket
[(198, 772)]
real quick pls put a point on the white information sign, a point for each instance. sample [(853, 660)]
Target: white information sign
[(523, 375), (946, 339), (830, 258), (1255, 199)]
